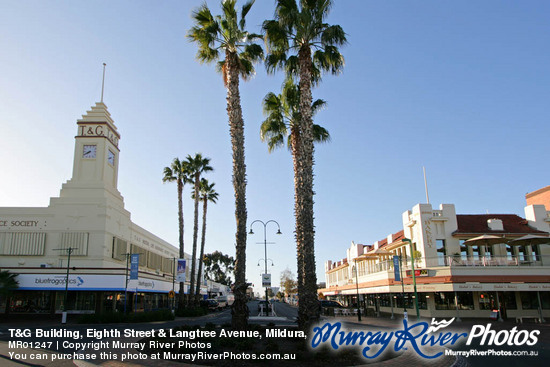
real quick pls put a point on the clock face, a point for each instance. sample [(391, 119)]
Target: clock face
[(89, 151), (111, 158)]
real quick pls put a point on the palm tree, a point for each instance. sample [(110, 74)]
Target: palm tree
[(226, 33), (207, 193), (196, 165), (283, 114), (178, 172), (7, 284), (301, 28)]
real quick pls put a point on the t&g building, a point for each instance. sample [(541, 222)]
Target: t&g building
[(87, 232)]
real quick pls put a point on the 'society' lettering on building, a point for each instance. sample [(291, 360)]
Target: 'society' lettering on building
[(18, 223), (418, 337)]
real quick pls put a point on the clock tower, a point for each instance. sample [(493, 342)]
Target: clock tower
[(95, 166)]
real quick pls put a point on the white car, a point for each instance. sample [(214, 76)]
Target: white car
[(222, 302)]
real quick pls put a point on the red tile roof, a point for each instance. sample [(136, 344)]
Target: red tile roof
[(399, 235), (396, 237), (477, 224)]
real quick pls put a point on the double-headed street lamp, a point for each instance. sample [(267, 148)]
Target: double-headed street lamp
[(265, 243), (65, 298)]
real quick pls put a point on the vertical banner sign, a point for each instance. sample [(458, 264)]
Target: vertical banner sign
[(266, 280), (134, 266), (396, 268), (180, 275)]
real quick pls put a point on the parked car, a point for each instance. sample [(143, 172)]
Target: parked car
[(263, 304), (210, 304), (333, 304), (222, 302)]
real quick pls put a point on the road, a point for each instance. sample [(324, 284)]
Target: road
[(217, 318)]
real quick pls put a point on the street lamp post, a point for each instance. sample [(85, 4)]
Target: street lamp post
[(414, 278), (126, 282), (64, 310), (357, 289), (265, 243), (402, 288), (173, 284)]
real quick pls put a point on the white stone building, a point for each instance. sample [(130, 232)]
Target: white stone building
[(89, 218), (454, 278)]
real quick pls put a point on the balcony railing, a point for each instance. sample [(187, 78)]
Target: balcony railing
[(539, 260), (386, 266)]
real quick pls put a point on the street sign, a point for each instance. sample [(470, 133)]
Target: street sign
[(181, 271), (418, 273), (396, 268), (266, 280), (134, 266), (171, 294)]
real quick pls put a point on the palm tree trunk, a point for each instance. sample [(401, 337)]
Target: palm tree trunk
[(204, 207), (181, 297), (308, 311), (239, 320), (295, 142), (192, 297)]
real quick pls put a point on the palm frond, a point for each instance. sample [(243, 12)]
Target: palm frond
[(318, 105), (320, 134), (252, 52), (329, 60), (276, 36), (271, 103), (202, 15), (246, 68), (229, 12), (333, 35), (244, 12), (168, 175), (275, 142), (287, 12)]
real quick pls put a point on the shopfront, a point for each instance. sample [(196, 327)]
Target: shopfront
[(87, 293)]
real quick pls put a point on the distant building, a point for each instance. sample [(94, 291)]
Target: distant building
[(539, 197), (453, 277), (89, 220)]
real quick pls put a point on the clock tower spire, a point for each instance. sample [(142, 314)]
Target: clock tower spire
[(95, 166)]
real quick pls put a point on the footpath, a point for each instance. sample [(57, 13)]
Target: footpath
[(407, 359)]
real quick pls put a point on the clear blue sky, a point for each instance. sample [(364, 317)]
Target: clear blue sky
[(460, 87)]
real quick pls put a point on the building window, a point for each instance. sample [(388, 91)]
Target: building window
[(441, 252), (508, 299), (22, 243), (535, 253), (78, 301), (154, 261), (522, 253), (463, 250), (142, 254), (489, 251), (120, 249), (444, 300), (487, 301), (168, 265), (529, 300), (409, 302), (476, 252), (78, 241), (30, 301), (509, 252), (465, 300)]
